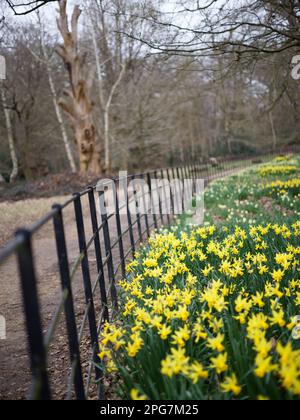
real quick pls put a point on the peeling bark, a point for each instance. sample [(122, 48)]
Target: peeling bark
[(77, 101)]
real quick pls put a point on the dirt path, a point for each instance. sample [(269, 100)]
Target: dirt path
[(14, 362)]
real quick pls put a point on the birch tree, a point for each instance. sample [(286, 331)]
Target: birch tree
[(106, 93), (57, 108), (106, 120)]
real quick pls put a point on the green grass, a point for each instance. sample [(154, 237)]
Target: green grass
[(242, 199)]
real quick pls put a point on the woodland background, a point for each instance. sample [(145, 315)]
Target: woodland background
[(170, 81)]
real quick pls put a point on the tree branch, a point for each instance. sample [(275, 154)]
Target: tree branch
[(27, 7)]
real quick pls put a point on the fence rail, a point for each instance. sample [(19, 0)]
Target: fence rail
[(115, 239)]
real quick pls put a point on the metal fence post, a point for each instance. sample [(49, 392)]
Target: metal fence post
[(207, 174), (165, 196), (152, 201), (181, 192), (187, 177), (159, 198), (129, 219), (108, 250), (119, 232), (98, 253), (62, 256), (137, 208), (87, 286), (194, 178), (175, 191), (171, 195), (145, 208), (38, 358), (198, 169)]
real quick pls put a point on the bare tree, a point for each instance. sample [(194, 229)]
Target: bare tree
[(106, 120), (225, 27), (116, 57), (209, 90), (57, 108), (105, 103), (77, 102)]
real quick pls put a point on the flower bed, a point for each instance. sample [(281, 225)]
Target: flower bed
[(210, 314), (213, 312), (292, 186), (277, 170)]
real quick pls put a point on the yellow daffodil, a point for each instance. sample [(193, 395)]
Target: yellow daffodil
[(216, 343), (219, 363), (196, 372), (263, 366), (277, 275), (230, 384), (136, 396), (164, 332), (277, 318)]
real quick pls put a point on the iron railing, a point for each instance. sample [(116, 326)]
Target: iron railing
[(115, 240)]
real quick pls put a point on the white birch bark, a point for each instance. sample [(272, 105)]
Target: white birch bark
[(105, 102), (107, 158), (97, 59), (57, 108)]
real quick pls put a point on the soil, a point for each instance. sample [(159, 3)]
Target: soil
[(270, 206), (49, 186)]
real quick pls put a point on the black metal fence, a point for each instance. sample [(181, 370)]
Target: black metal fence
[(114, 239)]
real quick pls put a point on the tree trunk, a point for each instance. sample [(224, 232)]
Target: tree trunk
[(274, 135), (61, 124), (97, 58), (108, 163), (10, 136), (105, 102), (57, 108), (77, 102), (227, 133)]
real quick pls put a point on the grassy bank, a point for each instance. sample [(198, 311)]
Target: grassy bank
[(210, 312)]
